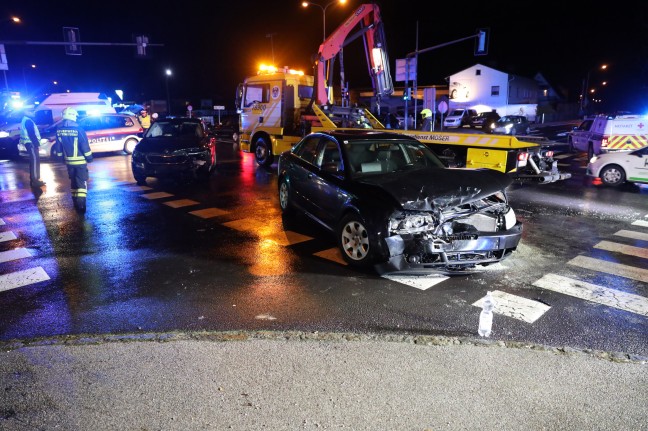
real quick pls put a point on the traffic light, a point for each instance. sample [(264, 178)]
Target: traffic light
[(407, 94), (481, 43), (141, 42)]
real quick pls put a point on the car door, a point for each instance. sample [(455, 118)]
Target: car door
[(580, 135), (637, 165), (302, 169), (326, 188)]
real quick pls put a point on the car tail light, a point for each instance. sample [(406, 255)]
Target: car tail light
[(549, 153), (522, 157), (604, 141)]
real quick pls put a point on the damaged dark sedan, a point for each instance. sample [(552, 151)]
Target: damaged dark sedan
[(179, 148), (393, 204)]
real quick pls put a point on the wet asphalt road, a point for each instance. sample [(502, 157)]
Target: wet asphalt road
[(170, 257)]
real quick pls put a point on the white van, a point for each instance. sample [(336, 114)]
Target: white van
[(85, 104), (459, 117), (606, 134)]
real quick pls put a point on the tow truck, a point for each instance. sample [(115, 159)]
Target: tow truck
[(277, 107)]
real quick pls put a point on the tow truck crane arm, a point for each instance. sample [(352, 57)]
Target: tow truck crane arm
[(371, 29)]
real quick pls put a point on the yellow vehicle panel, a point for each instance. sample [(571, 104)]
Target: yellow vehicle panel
[(486, 158)]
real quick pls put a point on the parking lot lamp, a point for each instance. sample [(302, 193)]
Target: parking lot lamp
[(586, 91)]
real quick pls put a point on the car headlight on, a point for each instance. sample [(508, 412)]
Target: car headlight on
[(4, 134)]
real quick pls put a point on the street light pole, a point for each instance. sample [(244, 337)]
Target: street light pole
[(585, 91), (16, 20), (168, 74), (271, 35), (308, 3), (33, 66)]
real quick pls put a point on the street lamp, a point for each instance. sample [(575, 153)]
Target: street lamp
[(308, 3), (586, 89), (168, 74), (16, 20)]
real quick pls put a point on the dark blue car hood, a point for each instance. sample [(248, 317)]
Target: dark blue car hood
[(160, 144), (434, 188)]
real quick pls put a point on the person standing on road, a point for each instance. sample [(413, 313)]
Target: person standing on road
[(72, 144), (426, 114), (144, 120), (30, 138)]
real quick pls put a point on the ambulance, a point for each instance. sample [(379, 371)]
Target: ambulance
[(609, 133)]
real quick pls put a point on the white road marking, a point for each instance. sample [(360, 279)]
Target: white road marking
[(138, 188), (286, 238), (2, 223), (422, 282), (209, 212), (642, 223), (157, 195), (632, 234), (181, 203), (332, 254), (7, 236), (622, 248), (562, 156), (594, 293), (515, 306), (16, 254), (22, 278), (613, 268)]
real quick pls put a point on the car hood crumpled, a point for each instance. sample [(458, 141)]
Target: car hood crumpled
[(438, 189), (159, 145)]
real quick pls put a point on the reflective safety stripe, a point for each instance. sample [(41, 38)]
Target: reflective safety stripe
[(626, 142)]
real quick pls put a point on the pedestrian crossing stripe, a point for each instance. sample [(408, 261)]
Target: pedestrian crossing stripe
[(157, 195), (181, 203), (286, 238), (333, 254), (19, 253), (138, 188), (7, 236), (594, 293), (2, 223), (562, 156), (514, 306), (613, 268), (422, 282), (632, 235), (22, 278), (622, 248), (208, 212), (642, 223)]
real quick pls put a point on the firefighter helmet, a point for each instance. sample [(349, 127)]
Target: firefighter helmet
[(70, 114), (426, 113)]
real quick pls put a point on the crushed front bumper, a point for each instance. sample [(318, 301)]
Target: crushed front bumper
[(453, 257)]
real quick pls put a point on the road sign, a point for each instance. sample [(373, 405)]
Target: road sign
[(219, 108), (405, 72), (71, 35), (142, 42), (443, 107), (3, 58)]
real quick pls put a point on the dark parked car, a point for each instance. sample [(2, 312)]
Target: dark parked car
[(485, 120), (512, 125), (175, 147), (391, 202)]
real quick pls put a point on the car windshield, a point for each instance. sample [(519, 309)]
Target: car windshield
[(456, 113), (162, 128), (369, 157)]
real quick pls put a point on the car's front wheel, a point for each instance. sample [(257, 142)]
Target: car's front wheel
[(612, 175), (354, 241), (263, 152)]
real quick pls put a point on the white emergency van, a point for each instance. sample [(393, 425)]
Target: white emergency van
[(607, 133)]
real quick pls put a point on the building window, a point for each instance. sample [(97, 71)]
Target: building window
[(495, 90), (478, 72)]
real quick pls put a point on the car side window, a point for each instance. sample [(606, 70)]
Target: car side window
[(307, 151), (330, 159)]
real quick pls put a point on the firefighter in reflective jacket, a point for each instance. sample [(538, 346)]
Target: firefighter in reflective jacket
[(72, 144)]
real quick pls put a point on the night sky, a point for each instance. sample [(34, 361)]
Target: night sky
[(212, 45)]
